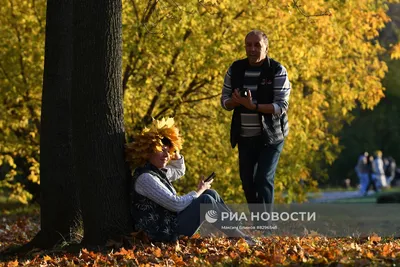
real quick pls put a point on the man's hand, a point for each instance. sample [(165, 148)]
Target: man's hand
[(247, 102), (231, 104)]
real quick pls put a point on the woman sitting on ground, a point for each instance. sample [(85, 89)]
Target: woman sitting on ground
[(156, 208)]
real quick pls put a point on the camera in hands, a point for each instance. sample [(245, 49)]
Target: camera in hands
[(243, 92)]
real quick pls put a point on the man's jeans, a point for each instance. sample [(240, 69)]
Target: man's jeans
[(257, 165)]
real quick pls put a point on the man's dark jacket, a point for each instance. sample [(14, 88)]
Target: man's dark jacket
[(274, 127)]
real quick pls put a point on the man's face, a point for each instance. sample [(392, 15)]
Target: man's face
[(256, 49)]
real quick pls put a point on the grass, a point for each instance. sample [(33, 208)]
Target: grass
[(13, 207), (367, 199)]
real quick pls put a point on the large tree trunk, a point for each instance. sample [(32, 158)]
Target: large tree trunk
[(59, 194), (97, 120)]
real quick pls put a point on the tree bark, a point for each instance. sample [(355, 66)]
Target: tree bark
[(97, 120), (59, 194)]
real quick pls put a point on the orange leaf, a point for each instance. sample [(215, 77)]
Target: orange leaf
[(375, 238), (121, 252), (157, 252), (386, 250), (47, 258), (260, 254), (233, 255), (12, 263), (196, 236), (242, 245), (178, 260)]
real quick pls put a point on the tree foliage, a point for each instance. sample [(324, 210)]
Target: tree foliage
[(175, 55), (372, 130), (21, 68)]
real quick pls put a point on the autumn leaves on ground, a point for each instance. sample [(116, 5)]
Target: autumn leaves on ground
[(198, 251)]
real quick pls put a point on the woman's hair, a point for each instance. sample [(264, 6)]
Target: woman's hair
[(151, 139)]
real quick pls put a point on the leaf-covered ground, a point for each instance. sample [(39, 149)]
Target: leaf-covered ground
[(196, 251)]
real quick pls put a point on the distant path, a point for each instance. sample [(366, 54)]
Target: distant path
[(335, 195)]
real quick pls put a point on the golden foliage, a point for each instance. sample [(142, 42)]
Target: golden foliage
[(21, 67), (175, 55), (395, 52)]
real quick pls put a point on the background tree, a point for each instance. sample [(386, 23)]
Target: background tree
[(333, 63), (377, 129), (22, 27), (98, 134)]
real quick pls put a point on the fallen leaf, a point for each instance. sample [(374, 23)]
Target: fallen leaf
[(157, 252), (375, 239), (47, 258), (386, 250), (12, 263), (177, 260), (121, 252)]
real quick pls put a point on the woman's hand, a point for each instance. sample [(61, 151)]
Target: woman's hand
[(203, 186), (176, 155)]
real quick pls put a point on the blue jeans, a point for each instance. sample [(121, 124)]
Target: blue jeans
[(189, 220), (364, 181), (257, 166)]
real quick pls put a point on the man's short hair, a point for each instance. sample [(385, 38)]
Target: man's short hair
[(261, 34)]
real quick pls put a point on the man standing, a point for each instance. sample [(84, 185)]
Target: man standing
[(362, 172), (257, 89)]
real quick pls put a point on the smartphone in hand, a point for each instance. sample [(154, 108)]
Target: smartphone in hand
[(209, 178)]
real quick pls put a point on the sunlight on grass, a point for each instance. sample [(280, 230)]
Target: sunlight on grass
[(13, 207)]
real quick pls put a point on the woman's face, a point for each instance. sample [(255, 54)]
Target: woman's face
[(161, 158)]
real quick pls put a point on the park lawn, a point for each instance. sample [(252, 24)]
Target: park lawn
[(20, 223), (369, 198)]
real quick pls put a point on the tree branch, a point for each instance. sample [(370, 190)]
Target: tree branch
[(159, 88), (135, 10), (298, 7), (201, 99)]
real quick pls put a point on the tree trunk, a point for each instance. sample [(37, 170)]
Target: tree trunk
[(59, 194), (97, 120)]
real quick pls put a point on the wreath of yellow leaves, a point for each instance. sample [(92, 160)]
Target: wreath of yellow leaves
[(148, 141)]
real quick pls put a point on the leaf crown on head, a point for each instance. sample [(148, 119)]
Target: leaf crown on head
[(150, 140)]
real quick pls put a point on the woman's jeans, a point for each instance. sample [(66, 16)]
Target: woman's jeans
[(189, 220)]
